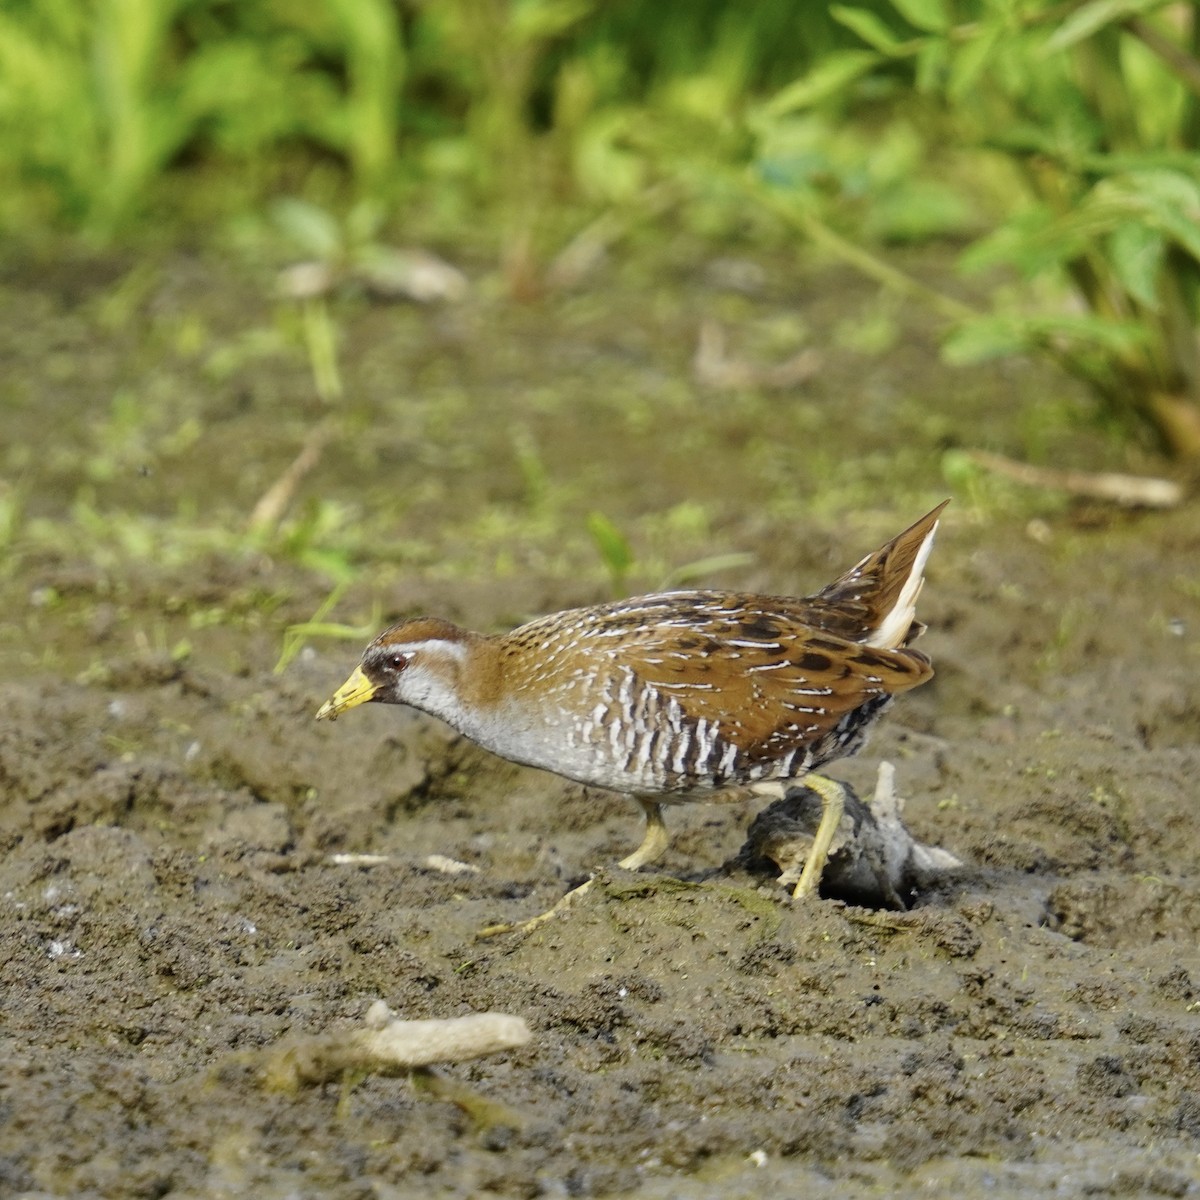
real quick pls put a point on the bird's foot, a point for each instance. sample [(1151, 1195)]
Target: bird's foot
[(833, 801)]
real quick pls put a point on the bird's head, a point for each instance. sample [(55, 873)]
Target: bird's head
[(418, 662)]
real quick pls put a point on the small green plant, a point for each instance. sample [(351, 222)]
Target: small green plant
[(1095, 108), (295, 636), (329, 248), (499, 49), (84, 104), (613, 546), (617, 555), (366, 125), (98, 100), (701, 569)]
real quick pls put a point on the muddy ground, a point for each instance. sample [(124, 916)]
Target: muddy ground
[(170, 910)]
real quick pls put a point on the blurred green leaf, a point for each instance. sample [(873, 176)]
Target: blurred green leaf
[(986, 338), (932, 60), (703, 568), (917, 209), (929, 15), (374, 57), (959, 469), (605, 163), (1026, 242), (868, 25), (313, 231), (537, 20), (968, 64), (1178, 162), (1136, 254), (991, 337), (317, 626), (829, 77), (1091, 18), (613, 546), (1134, 215), (364, 222), (1167, 201)]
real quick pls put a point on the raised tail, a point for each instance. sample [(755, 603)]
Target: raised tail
[(875, 602)]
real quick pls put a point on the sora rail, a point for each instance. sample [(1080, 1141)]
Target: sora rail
[(675, 696)]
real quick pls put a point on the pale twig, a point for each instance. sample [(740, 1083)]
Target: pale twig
[(715, 368), (277, 499), (389, 1046), (1133, 491)]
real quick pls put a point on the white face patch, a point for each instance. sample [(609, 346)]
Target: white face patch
[(433, 649), (425, 675)]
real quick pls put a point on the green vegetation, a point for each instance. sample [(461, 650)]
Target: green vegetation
[(1062, 137), (1094, 109), (1052, 150)]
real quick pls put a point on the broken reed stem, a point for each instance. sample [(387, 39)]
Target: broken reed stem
[(277, 499), (389, 1046), (1133, 491)]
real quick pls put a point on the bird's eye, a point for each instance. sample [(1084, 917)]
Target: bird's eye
[(399, 660)]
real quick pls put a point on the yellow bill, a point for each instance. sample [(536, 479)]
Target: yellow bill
[(358, 689)]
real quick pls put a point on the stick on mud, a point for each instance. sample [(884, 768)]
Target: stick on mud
[(390, 1046)]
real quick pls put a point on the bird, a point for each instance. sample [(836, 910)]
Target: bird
[(675, 696)]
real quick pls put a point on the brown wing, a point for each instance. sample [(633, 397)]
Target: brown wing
[(776, 691), (747, 668)]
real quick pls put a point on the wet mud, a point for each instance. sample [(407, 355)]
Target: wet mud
[(172, 908)]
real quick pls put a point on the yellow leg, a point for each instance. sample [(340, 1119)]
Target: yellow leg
[(653, 845), (832, 796), (656, 841)]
